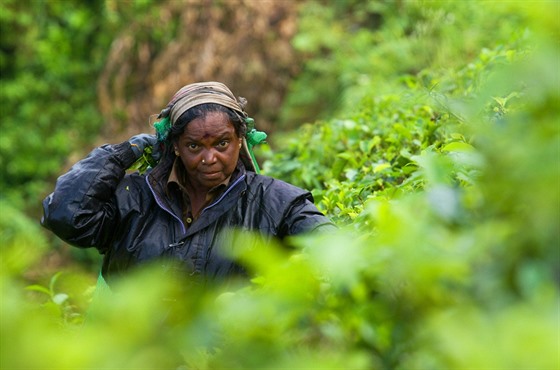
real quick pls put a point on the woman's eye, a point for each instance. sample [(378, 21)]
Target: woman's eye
[(223, 143), (192, 146)]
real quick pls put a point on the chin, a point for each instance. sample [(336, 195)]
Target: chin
[(211, 180)]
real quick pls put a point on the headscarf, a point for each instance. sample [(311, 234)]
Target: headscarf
[(202, 93), (199, 93)]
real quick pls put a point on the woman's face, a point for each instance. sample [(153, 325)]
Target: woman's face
[(209, 149)]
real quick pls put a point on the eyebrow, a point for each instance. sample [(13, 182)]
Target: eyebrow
[(220, 136)]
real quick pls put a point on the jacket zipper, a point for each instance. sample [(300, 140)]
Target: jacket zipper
[(224, 194), (165, 208)]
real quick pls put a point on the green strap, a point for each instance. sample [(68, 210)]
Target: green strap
[(254, 137), (101, 289), (102, 292)]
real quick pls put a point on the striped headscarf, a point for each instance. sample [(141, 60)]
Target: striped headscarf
[(201, 93)]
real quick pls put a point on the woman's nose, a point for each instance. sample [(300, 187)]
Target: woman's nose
[(209, 156)]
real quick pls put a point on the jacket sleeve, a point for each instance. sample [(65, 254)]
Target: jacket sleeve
[(303, 216), (82, 210)]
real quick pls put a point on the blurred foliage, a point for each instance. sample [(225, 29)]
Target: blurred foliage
[(50, 50), (441, 169), (51, 56), (356, 49)]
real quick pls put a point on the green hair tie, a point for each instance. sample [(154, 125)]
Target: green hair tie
[(163, 126)]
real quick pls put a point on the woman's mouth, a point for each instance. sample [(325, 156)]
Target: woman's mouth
[(211, 175)]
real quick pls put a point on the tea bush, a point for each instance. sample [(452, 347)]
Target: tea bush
[(390, 140)]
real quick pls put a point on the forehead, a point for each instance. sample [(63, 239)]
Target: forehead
[(214, 124)]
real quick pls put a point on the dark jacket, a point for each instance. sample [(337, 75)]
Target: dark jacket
[(130, 219)]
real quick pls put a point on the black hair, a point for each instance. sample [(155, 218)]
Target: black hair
[(201, 111)]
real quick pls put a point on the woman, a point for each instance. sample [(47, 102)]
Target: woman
[(204, 185)]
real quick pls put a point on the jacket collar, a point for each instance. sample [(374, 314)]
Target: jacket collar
[(157, 180)]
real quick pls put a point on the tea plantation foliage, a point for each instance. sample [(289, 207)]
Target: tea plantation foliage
[(445, 182)]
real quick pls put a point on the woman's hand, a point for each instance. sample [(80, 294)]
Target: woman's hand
[(142, 141), (147, 150)]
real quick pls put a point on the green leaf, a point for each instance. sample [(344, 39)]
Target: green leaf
[(38, 288), (458, 146), (53, 281), (380, 167)]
